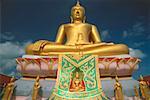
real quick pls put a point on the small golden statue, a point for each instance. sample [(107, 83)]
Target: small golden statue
[(136, 91), (77, 84), (118, 90), (81, 38), (8, 91), (3, 90), (144, 89), (36, 88)]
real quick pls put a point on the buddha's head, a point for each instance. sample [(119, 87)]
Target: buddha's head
[(77, 75), (77, 13), (37, 78), (12, 79)]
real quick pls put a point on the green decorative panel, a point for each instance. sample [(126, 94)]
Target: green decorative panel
[(78, 77)]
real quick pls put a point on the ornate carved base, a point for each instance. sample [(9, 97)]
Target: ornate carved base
[(46, 66)]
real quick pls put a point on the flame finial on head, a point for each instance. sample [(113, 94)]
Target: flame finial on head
[(78, 3), (78, 6)]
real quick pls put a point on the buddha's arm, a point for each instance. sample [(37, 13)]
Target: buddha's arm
[(95, 35), (60, 35)]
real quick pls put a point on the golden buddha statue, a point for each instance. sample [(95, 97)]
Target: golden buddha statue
[(77, 37), (3, 90), (8, 91), (144, 89), (36, 89), (136, 92), (77, 85), (118, 90)]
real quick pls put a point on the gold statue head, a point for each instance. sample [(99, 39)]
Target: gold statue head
[(116, 78), (37, 78), (12, 79), (77, 13)]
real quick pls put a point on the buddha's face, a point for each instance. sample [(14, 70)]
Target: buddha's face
[(77, 75), (77, 14)]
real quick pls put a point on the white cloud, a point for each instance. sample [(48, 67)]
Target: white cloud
[(137, 29), (136, 53), (105, 34), (138, 44), (7, 36), (9, 51)]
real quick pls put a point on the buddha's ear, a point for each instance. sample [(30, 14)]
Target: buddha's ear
[(71, 19), (84, 19)]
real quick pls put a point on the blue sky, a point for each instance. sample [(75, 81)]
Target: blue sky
[(118, 21)]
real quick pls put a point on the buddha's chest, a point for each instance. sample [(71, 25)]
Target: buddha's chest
[(75, 29)]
